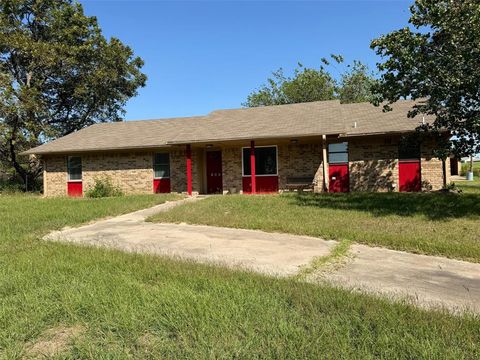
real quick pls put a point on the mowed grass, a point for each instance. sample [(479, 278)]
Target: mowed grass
[(428, 223), (472, 187), (132, 306)]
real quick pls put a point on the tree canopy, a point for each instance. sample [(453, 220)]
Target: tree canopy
[(308, 84), (436, 61), (58, 74)]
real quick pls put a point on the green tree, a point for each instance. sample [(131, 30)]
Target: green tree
[(436, 61), (356, 85), (306, 85), (309, 84), (58, 74)]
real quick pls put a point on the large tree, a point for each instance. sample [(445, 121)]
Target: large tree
[(436, 61), (309, 84), (356, 84), (305, 85), (58, 74)]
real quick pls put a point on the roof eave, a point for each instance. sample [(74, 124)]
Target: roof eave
[(74, 151), (395, 132), (290, 136)]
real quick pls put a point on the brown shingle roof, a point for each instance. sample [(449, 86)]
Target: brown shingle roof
[(294, 120)]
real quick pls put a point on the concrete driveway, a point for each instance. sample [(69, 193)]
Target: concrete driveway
[(425, 280)]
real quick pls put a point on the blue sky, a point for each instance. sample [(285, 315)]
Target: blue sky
[(201, 56)]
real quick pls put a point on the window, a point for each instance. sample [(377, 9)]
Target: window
[(408, 150), (161, 165), (338, 153), (74, 168), (265, 161)]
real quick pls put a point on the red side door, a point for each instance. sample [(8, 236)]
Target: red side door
[(214, 172), (339, 178), (75, 188), (409, 175)]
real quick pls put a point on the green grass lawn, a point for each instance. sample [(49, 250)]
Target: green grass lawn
[(469, 186), (137, 306), (429, 223)]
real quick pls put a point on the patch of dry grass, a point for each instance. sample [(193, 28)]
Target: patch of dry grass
[(53, 342)]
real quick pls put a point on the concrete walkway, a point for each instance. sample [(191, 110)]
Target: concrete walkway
[(426, 280)]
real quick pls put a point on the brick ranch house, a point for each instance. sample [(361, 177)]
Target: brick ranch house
[(322, 146)]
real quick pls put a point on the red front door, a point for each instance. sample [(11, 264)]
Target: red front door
[(214, 172), (339, 179), (409, 175)]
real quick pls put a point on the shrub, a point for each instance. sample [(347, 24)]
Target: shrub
[(103, 187), (9, 187)]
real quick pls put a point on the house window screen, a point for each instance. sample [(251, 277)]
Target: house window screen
[(338, 153), (161, 165), (265, 161), (74, 167)]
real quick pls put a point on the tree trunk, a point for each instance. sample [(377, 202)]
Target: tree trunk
[(16, 165), (444, 171)]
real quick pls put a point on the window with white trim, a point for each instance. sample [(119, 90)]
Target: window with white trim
[(338, 153), (161, 165), (74, 168), (265, 161)]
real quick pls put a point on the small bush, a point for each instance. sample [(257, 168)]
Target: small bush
[(426, 186), (103, 187), (11, 187)]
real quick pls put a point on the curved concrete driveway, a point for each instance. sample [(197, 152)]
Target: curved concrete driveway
[(426, 280), (268, 253)]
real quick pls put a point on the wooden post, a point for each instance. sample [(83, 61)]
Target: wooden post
[(252, 167), (325, 163), (188, 154)]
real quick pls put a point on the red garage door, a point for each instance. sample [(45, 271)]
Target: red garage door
[(409, 175)]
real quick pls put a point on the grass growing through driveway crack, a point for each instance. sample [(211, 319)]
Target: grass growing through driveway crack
[(144, 307), (322, 263)]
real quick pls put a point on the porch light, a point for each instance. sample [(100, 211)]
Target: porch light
[(294, 141)]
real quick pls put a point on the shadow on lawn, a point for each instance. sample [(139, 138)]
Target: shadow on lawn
[(434, 206)]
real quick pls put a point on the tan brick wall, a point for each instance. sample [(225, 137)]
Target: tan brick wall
[(373, 164), (432, 172), (178, 170), (55, 176), (232, 169), (131, 172), (300, 160)]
